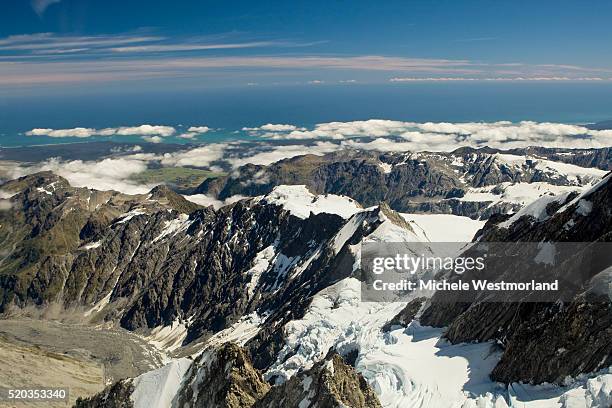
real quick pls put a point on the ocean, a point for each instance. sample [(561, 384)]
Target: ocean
[(230, 109)]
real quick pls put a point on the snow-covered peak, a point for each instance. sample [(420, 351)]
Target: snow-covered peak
[(536, 210), (390, 230), (301, 202), (576, 175), (587, 192)]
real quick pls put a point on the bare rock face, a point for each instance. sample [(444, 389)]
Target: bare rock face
[(409, 182), (549, 346), (543, 342), (152, 260), (330, 383), (406, 315), (157, 257), (141, 262), (224, 378), (114, 396)]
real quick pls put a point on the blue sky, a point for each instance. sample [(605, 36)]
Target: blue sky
[(49, 43), (66, 63)]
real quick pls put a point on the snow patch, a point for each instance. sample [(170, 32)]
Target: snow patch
[(515, 193), (261, 263), (584, 207), (92, 245), (583, 392), (99, 305), (587, 192), (157, 388), (43, 190), (386, 167), (444, 227), (131, 214), (390, 232), (412, 368), (6, 194), (240, 332), (105, 300), (301, 202), (173, 227), (347, 231), (546, 254), (336, 315), (556, 170), (537, 209), (168, 338)]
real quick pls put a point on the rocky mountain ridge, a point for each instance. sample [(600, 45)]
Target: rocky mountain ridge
[(257, 272), (143, 262), (573, 337), (224, 377), (421, 182)]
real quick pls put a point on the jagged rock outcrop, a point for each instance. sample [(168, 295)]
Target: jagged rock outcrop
[(543, 342), (599, 158), (223, 378), (113, 396), (406, 315), (329, 383)]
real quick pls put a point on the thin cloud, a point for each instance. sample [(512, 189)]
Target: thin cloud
[(45, 58), (40, 72), (59, 51), (127, 44), (106, 174), (476, 39), (40, 6), (43, 41), (499, 79), (191, 47)]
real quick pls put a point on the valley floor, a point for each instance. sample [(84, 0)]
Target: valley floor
[(81, 358)]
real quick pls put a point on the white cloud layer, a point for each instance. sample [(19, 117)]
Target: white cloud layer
[(74, 132), (145, 130), (153, 139), (106, 174), (200, 156), (272, 127), (376, 134), (207, 200), (198, 129), (142, 130), (449, 136), (277, 153)]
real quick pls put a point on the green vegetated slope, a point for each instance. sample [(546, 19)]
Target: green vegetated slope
[(183, 178)]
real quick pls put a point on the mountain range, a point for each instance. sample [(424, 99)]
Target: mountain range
[(256, 303)]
